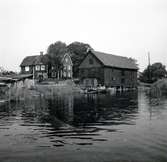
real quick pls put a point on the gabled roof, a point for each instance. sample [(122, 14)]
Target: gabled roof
[(39, 59), (66, 54), (114, 60), (34, 60), (27, 61)]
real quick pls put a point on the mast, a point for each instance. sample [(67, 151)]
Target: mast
[(148, 58), (149, 65)]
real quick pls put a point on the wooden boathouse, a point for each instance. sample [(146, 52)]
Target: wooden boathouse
[(108, 70)]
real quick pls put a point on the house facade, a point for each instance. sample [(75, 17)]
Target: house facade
[(41, 68), (110, 70)]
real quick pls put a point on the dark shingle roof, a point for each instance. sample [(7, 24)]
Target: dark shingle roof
[(34, 60), (115, 61), (41, 59), (29, 60)]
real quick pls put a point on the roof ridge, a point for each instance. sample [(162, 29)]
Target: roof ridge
[(114, 60), (111, 54)]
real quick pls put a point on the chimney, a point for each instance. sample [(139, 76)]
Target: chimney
[(41, 53), (88, 49)]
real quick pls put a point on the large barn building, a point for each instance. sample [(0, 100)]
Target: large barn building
[(109, 70)]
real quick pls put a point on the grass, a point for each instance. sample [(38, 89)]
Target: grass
[(47, 90)]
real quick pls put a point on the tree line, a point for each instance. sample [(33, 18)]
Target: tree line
[(77, 51), (153, 72)]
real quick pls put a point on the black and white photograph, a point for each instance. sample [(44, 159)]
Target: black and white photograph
[(83, 81)]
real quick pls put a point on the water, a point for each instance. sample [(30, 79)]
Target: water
[(122, 127)]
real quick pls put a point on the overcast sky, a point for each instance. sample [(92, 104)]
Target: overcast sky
[(123, 27)]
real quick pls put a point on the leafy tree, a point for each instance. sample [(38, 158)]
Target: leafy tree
[(55, 51), (153, 72), (78, 51)]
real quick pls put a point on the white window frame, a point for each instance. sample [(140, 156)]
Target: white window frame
[(27, 68), (69, 67), (43, 67), (66, 59), (69, 74), (37, 68), (65, 74), (65, 67)]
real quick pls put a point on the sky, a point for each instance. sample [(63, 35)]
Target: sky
[(130, 28)]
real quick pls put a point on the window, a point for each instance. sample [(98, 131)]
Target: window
[(69, 74), (69, 67), (37, 67), (53, 74), (27, 68), (90, 61), (113, 78), (64, 74), (42, 67), (122, 72), (66, 59), (65, 67)]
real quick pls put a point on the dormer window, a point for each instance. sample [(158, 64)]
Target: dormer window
[(27, 68)]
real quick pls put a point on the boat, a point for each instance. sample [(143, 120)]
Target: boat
[(2, 101), (90, 91), (95, 90), (101, 89)]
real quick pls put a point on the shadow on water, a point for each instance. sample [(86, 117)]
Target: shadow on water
[(74, 116)]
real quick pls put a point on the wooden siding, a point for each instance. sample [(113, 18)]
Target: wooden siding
[(26, 72), (37, 73), (120, 77), (96, 63), (108, 76), (96, 73), (66, 64)]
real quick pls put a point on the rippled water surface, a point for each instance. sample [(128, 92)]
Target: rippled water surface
[(76, 127)]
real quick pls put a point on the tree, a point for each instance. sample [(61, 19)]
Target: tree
[(4, 72), (57, 48), (78, 51), (55, 51), (153, 72)]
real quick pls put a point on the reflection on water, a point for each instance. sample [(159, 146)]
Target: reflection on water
[(127, 120)]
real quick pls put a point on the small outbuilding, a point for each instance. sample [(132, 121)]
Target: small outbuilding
[(108, 70)]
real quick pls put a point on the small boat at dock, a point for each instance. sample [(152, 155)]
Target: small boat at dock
[(2, 102), (95, 90)]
